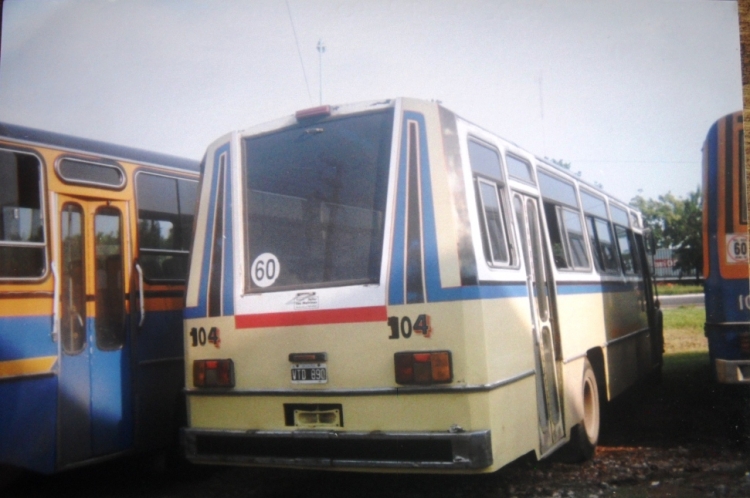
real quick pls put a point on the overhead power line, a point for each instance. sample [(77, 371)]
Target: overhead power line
[(299, 52)]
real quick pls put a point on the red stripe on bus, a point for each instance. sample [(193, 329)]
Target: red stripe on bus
[(315, 317)]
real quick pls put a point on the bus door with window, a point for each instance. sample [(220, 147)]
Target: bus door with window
[(94, 406)]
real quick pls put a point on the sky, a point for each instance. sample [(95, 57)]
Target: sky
[(623, 90)]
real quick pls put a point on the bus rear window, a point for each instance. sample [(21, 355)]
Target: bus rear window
[(315, 203)]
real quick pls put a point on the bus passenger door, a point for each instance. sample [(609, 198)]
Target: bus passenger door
[(541, 295), (94, 383)]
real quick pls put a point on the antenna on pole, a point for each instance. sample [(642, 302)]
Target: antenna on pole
[(321, 50)]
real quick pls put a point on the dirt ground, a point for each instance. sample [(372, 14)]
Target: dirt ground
[(682, 437)]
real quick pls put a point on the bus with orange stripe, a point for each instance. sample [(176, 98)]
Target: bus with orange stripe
[(387, 286), (725, 261), (94, 243)]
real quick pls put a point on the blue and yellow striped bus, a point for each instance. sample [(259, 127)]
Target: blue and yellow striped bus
[(94, 242), (725, 261), (387, 286)]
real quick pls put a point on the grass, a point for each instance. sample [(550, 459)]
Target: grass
[(683, 330), (675, 289)]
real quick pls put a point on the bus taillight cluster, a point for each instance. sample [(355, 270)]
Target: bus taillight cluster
[(432, 367), (213, 373)]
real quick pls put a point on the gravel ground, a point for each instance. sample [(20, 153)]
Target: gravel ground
[(682, 437)]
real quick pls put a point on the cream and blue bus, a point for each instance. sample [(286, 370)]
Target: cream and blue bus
[(387, 286)]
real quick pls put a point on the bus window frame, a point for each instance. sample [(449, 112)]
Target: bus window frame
[(629, 234), (529, 169), (43, 191), (484, 228), (559, 211), (616, 269), (503, 194), (559, 207), (86, 183), (100, 304), (66, 334), (634, 253), (140, 249)]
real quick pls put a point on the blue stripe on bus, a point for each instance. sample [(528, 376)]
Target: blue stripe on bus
[(28, 418), (228, 297), (194, 312), (483, 291), (26, 337), (48, 138), (569, 288)]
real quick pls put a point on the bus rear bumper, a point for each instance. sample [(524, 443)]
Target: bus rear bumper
[(732, 371), (340, 449)]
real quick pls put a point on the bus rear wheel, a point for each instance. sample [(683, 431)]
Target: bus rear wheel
[(585, 435)]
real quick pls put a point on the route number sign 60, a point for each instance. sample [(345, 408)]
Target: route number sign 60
[(737, 248), (265, 270)]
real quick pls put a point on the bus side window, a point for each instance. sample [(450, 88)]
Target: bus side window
[(485, 162), (519, 169), (627, 247), (602, 244), (600, 233), (575, 237), (165, 222), (563, 223), (560, 251), (493, 226), (22, 234), (595, 249)]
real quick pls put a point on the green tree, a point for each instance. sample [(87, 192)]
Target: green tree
[(676, 223), (561, 163)]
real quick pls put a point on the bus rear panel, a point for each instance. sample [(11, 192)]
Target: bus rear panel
[(725, 261)]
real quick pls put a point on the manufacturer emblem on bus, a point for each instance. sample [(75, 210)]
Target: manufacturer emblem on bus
[(305, 301)]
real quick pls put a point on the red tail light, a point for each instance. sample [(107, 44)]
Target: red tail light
[(745, 343), (432, 367), (213, 373)]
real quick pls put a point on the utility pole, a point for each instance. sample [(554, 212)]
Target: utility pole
[(321, 50)]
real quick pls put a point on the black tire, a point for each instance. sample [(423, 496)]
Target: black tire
[(585, 435)]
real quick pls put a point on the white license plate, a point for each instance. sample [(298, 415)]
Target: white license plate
[(309, 373)]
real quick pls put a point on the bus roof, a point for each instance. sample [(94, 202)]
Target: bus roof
[(384, 103), (114, 151)]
